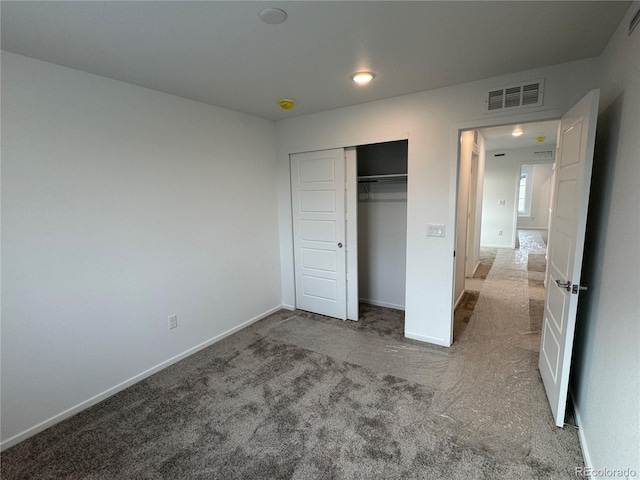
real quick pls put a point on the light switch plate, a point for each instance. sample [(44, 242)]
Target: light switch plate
[(435, 230)]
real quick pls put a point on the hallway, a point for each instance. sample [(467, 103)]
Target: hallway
[(492, 395)]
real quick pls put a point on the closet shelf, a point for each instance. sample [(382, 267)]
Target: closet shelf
[(394, 177)]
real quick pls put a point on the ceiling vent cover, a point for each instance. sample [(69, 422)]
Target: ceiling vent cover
[(528, 94), (544, 155)]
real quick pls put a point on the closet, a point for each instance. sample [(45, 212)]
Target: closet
[(382, 223)]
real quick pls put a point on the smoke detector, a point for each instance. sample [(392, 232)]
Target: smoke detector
[(273, 16)]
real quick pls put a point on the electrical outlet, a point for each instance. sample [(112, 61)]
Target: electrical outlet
[(173, 321), (499, 232)]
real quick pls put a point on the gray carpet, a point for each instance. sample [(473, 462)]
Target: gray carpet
[(283, 399), (269, 410)]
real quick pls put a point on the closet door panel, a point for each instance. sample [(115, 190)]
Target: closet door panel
[(318, 204)]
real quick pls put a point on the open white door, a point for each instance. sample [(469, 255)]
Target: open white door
[(576, 138), (318, 203)]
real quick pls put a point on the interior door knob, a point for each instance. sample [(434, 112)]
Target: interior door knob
[(340, 245)]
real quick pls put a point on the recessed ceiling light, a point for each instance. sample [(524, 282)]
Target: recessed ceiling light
[(362, 78), (517, 132), (273, 16)]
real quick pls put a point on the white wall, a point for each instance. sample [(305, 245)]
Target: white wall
[(121, 206), (499, 202), (501, 179), (382, 244), (542, 175), (431, 121), (606, 362)]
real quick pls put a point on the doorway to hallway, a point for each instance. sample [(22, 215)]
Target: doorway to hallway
[(567, 224)]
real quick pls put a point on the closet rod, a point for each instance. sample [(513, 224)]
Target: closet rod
[(395, 177)]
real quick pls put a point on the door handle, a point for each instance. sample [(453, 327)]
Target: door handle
[(565, 285), (339, 244)]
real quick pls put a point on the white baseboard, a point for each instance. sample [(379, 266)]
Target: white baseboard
[(127, 383), (459, 299), (381, 304), (426, 338), (288, 307), (475, 269), (583, 441)]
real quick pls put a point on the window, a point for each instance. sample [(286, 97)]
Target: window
[(524, 191), (522, 194)]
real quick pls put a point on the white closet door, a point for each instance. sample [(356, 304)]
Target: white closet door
[(318, 204)]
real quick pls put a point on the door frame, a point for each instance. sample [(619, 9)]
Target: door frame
[(456, 132), (351, 231), (472, 210)]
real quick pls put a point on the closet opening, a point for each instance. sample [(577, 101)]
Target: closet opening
[(382, 223), (349, 213)]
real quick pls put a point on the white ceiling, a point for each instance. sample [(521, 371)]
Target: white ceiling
[(500, 138), (222, 54)]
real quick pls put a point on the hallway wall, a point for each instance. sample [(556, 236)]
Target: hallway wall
[(500, 199), (502, 174)]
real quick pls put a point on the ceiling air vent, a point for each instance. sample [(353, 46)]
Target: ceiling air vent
[(545, 155), (527, 94)]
